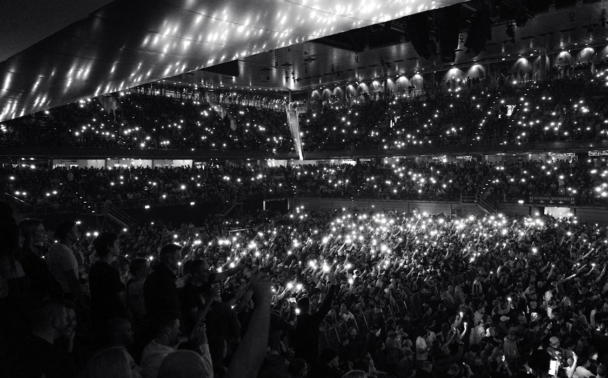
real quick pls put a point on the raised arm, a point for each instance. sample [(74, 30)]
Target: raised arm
[(250, 355), (227, 273), (326, 306)]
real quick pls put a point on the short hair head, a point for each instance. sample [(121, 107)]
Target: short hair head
[(63, 230), (104, 242), (355, 374), (183, 364), (304, 304), (168, 251), (112, 362), (137, 265), (28, 228)]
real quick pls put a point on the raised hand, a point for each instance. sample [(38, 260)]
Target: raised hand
[(261, 285)]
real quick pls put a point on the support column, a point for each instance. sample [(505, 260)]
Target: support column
[(542, 74), (309, 98)]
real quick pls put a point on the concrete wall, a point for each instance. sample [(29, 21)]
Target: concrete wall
[(592, 214)]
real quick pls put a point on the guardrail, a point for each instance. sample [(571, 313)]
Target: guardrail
[(120, 216), (479, 200)]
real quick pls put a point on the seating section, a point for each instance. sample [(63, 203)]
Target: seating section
[(488, 113)]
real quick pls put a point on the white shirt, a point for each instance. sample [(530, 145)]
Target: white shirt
[(582, 372), (421, 344), (152, 357), (154, 354)]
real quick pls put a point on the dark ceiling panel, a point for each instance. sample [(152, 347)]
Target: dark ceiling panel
[(566, 28), (131, 42), (25, 22)]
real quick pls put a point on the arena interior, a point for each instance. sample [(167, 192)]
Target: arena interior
[(299, 189)]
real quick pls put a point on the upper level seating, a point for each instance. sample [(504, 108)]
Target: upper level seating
[(500, 112)]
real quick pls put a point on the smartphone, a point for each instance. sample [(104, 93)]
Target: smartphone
[(553, 365)]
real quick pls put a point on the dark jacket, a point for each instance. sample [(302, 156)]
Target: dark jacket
[(160, 292), (306, 334)]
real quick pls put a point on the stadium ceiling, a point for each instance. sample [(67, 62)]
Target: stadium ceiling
[(58, 52), (384, 50)]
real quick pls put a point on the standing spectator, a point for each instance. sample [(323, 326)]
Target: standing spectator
[(139, 270), (160, 292), (107, 291), (306, 334), (164, 343), (328, 365), (113, 362), (426, 370), (422, 349), (406, 368), (14, 288), (249, 356), (42, 283), (297, 368), (192, 296), (63, 264)]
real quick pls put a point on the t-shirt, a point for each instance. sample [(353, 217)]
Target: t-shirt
[(152, 357), (160, 292), (135, 298), (105, 285), (582, 372), (421, 344), (60, 259)]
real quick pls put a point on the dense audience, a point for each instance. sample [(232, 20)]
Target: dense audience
[(142, 121), (406, 295), (511, 181), (554, 110), (506, 111)]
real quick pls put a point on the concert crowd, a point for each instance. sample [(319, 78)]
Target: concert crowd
[(511, 181), (308, 294)]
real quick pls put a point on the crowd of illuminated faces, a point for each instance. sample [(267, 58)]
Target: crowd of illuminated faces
[(509, 114), (362, 245), (151, 122), (512, 181)]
